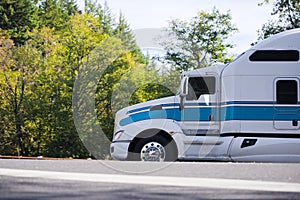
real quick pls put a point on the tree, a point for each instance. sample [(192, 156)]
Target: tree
[(44, 105), (18, 17), (51, 14), (83, 34), (56, 13), (102, 13), (37, 77), (7, 144), (70, 7), (287, 13), (199, 42), (124, 32), (17, 68)]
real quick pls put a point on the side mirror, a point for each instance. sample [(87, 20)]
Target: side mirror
[(183, 91), (184, 86)]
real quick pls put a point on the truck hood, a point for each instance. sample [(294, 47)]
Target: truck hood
[(124, 115)]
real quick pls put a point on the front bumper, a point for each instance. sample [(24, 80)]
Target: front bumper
[(119, 150)]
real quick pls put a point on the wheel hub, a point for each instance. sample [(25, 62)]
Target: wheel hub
[(153, 151)]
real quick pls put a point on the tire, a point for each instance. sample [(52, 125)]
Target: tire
[(156, 148)]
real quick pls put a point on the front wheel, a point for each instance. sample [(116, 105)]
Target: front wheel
[(155, 148)]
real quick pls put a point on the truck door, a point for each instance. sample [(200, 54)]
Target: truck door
[(200, 106), (200, 116), (286, 104)]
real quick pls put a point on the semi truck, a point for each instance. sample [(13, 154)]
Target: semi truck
[(246, 110)]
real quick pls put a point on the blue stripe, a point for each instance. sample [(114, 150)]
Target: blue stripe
[(170, 105), (190, 114), (268, 113), (259, 113), (253, 103), (210, 104)]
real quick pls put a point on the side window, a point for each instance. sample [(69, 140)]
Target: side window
[(275, 56), (287, 92), (199, 86)]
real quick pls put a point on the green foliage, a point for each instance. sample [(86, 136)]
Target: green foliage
[(38, 74), (199, 42), (50, 14), (17, 69), (70, 7), (17, 17), (124, 32), (8, 141), (83, 35), (102, 13), (64, 74), (287, 13), (56, 13), (143, 83)]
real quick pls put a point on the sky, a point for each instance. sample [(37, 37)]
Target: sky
[(247, 16)]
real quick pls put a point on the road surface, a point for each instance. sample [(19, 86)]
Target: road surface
[(91, 179)]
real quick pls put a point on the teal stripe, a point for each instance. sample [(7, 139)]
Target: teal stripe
[(210, 104), (266, 113)]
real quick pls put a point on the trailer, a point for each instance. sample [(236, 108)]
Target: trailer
[(247, 110)]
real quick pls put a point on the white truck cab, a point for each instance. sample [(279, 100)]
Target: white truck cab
[(247, 110)]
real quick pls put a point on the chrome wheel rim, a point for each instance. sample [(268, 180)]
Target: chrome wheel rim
[(153, 151)]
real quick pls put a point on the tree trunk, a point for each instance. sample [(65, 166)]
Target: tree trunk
[(20, 138)]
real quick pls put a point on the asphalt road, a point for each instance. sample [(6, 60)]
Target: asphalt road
[(84, 179)]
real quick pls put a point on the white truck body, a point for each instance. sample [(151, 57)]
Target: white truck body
[(247, 110)]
